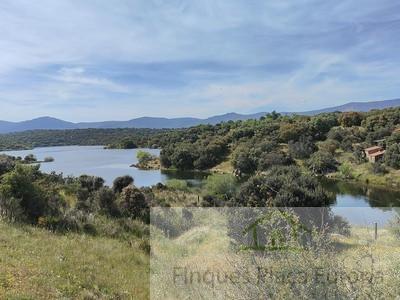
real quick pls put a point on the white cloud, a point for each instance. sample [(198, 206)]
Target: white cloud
[(235, 55)]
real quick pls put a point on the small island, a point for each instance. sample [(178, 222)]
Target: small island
[(147, 161), (31, 159)]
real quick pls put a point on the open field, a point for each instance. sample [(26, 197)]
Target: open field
[(38, 264)]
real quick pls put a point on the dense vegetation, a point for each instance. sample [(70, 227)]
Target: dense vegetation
[(113, 138), (252, 145)]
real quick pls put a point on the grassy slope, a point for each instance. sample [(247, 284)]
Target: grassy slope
[(37, 264), (363, 173), (206, 247)]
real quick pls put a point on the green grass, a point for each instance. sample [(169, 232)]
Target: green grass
[(38, 264), (363, 173)]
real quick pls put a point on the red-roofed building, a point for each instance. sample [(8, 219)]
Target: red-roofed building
[(374, 153)]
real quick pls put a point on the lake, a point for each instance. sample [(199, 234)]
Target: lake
[(359, 203)]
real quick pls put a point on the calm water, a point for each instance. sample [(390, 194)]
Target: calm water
[(94, 160), (359, 204)]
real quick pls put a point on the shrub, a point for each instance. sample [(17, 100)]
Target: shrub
[(328, 146), (20, 184), (106, 199), (7, 163), (121, 182), (346, 170), (349, 119), (267, 160), (244, 161), (321, 163), (10, 209), (144, 157), (303, 148), (133, 203), (222, 186), (128, 144), (282, 186), (177, 184), (392, 156), (358, 153), (30, 158), (91, 183), (378, 168)]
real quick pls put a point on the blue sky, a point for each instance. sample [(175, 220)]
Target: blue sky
[(116, 60)]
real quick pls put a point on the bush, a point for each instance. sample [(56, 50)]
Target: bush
[(268, 160), (177, 184), (10, 209), (346, 170), (303, 148), (144, 157), (359, 154), (244, 161), (30, 158), (7, 163), (106, 199), (133, 203), (349, 119), (222, 186), (20, 184), (328, 146), (392, 156), (91, 183), (378, 168), (121, 182), (321, 163), (282, 187)]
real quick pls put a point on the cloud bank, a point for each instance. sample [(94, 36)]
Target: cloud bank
[(97, 60)]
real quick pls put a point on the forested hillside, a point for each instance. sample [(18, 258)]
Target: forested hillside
[(331, 143)]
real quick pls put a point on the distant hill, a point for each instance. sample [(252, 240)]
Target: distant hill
[(356, 106), (158, 123), (143, 122)]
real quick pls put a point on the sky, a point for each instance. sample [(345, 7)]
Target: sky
[(121, 59)]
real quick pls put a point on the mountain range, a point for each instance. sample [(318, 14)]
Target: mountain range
[(154, 122)]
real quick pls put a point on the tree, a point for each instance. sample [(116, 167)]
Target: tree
[(393, 139), (349, 119), (128, 144), (329, 146), (321, 163), (20, 185), (144, 157), (183, 158), (303, 148), (267, 160), (358, 153), (30, 158), (7, 163), (282, 187), (392, 156), (121, 182), (244, 162)]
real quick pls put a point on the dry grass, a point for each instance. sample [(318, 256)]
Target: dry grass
[(207, 248)]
